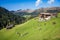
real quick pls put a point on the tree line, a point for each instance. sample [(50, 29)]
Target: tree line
[(7, 18)]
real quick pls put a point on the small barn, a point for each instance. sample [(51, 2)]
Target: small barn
[(10, 26), (46, 16)]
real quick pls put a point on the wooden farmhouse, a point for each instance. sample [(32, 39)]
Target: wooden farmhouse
[(46, 16)]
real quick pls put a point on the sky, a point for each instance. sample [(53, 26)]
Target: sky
[(28, 4)]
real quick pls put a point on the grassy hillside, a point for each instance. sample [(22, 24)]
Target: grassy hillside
[(33, 30)]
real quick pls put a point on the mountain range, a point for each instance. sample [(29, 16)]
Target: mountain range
[(37, 11)]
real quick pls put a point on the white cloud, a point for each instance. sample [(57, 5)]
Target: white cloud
[(38, 2), (51, 1)]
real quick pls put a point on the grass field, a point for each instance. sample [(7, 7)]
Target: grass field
[(33, 30)]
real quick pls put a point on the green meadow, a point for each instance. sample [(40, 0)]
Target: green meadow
[(33, 30)]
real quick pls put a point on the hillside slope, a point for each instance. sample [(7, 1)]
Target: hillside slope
[(33, 30)]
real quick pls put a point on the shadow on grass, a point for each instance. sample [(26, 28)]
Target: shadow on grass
[(57, 39), (45, 39)]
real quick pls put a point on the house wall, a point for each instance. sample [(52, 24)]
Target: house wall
[(44, 17)]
